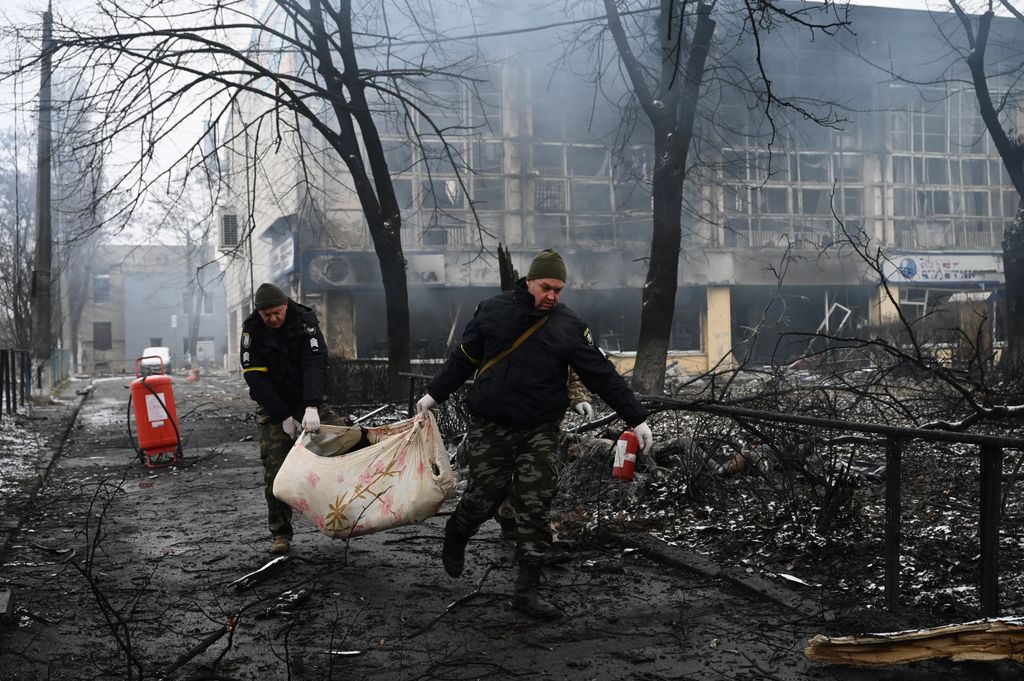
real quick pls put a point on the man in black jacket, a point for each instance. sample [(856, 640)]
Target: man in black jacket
[(284, 361), (520, 345)]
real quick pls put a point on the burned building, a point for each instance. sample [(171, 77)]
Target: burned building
[(534, 155)]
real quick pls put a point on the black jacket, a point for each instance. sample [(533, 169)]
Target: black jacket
[(286, 369), (529, 386)]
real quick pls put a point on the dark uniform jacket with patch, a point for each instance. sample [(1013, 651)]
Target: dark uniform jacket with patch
[(286, 368), (529, 386)]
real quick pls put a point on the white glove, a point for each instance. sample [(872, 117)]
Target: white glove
[(644, 436), (426, 402), (311, 420), (291, 426), (584, 409)]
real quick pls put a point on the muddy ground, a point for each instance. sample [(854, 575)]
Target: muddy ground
[(120, 571)]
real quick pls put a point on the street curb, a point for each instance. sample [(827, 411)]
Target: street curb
[(43, 467), (659, 551)]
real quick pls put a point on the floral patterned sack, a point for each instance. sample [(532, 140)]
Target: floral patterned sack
[(401, 478)]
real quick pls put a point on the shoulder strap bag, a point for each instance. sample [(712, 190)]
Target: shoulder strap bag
[(508, 351)]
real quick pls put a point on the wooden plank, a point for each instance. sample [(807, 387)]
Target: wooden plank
[(984, 640)]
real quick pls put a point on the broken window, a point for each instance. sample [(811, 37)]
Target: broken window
[(935, 171), (485, 101), (441, 107), (1011, 203), (549, 229), (850, 167), (489, 193), (932, 202), (548, 123), (901, 170), (813, 168), (549, 196), (816, 202), (975, 171), (771, 167), (443, 159), (734, 199), (593, 230), (852, 204), (443, 233), (548, 159), (632, 196), (489, 157), (403, 192), (591, 197), (442, 194), (398, 154), (899, 130), (774, 199), (902, 201), (976, 203), (591, 161), (929, 127)]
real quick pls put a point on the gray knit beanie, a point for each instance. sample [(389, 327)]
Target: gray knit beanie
[(268, 295), (547, 265)]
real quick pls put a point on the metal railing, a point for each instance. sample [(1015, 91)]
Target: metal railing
[(989, 450), (15, 380)]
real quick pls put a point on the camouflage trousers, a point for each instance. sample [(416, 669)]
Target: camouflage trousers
[(518, 463), (274, 447)]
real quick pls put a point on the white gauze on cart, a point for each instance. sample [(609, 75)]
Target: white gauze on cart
[(401, 478)]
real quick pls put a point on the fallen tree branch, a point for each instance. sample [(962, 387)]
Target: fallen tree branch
[(257, 576), (458, 601), (200, 647)]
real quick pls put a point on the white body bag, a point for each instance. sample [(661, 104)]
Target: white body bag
[(401, 478)]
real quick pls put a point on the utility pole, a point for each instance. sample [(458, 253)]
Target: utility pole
[(42, 338)]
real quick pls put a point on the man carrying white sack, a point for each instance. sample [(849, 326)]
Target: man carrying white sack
[(520, 345), (284, 362)]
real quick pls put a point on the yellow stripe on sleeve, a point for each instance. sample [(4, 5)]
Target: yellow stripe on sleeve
[(248, 369)]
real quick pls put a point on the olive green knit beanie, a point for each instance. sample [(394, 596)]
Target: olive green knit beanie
[(547, 265), (268, 295)]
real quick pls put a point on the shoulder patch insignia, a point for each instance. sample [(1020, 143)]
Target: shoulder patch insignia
[(587, 336), (245, 340), (313, 344), (311, 330)]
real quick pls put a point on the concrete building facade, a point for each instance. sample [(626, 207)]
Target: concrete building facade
[(536, 165)]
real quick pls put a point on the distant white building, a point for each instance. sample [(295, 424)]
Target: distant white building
[(138, 297)]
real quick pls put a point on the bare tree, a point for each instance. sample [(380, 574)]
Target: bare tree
[(17, 252), (1010, 144), (667, 63), (669, 99), (156, 66), (78, 166)]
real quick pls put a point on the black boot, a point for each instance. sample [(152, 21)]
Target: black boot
[(526, 597), (453, 553), (557, 554), (508, 528)]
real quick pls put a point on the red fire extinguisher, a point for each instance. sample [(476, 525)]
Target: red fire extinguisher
[(156, 418), (626, 448)]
